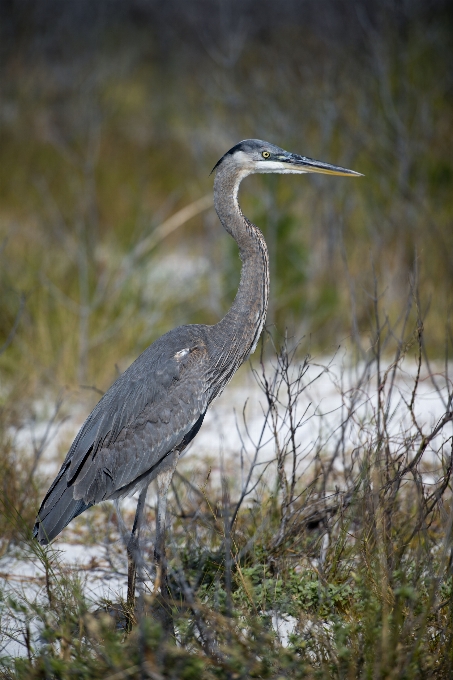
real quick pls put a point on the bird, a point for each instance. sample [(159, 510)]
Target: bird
[(140, 427)]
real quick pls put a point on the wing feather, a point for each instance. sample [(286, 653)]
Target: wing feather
[(146, 414)]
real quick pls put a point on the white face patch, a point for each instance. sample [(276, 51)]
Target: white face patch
[(244, 161), (246, 167), (278, 167)]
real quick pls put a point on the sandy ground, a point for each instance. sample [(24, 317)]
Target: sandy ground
[(236, 433)]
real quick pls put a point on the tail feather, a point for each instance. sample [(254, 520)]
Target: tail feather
[(57, 510)]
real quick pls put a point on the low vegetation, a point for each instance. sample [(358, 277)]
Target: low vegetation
[(329, 559), (322, 548)]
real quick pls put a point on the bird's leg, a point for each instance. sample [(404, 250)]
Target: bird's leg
[(163, 482), (133, 556)]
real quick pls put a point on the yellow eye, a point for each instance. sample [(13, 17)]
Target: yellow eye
[(265, 154)]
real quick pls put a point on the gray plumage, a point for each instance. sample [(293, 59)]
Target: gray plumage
[(156, 407)]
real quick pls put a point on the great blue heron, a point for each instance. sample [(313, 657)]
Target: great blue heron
[(139, 428)]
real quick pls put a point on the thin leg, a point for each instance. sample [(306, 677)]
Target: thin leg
[(133, 556), (163, 482)]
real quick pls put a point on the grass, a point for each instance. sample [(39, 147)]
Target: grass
[(329, 555), (343, 538), (92, 163)]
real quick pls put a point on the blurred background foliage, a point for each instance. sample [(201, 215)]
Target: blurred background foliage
[(112, 115)]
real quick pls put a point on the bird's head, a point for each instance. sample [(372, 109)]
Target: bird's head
[(255, 156)]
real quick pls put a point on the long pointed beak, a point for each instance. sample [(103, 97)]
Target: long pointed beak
[(304, 164)]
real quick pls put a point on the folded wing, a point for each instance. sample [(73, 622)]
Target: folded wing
[(153, 409)]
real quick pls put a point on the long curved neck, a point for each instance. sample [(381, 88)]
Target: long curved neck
[(239, 331)]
